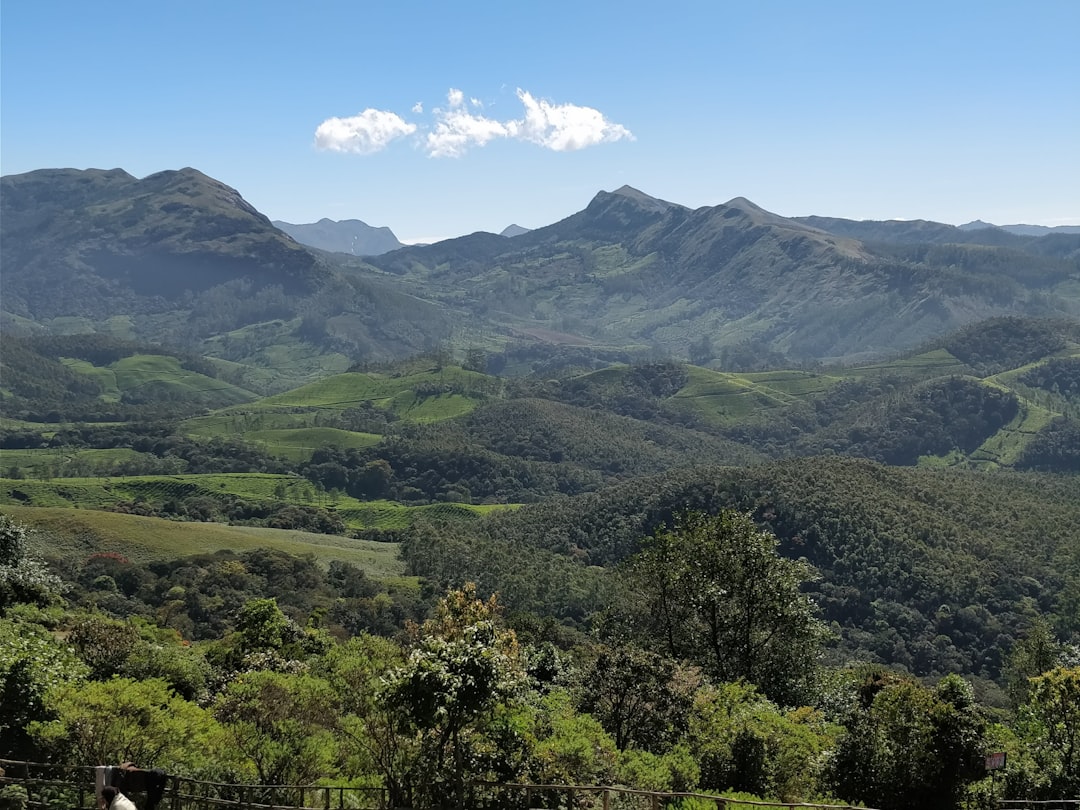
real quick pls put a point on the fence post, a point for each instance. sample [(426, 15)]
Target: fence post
[(607, 799)]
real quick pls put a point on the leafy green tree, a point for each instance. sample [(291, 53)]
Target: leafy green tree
[(32, 662), (281, 725), (570, 748), (1050, 724), (122, 720), (370, 744), (104, 644), (1036, 653), (262, 626), (743, 741), (464, 670), (23, 577), (642, 699), (908, 746), (713, 590)]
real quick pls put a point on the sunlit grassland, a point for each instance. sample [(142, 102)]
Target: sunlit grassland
[(353, 388), (1006, 446), (428, 396), (240, 422), (131, 373), (391, 515), (297, 444), (78, 533), (288, 434), (271, 357), (929, 364), (107, 493), (723, 397)]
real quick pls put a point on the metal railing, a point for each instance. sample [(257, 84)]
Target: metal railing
[(521, 796), (72, 787)]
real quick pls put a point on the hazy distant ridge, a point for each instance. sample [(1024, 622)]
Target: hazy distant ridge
[(347, 236)]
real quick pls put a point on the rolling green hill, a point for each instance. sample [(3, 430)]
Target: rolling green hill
[(79, 532)]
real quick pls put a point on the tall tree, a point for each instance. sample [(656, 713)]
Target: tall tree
[(461, 676), (1050, 724), (714, 590), (908, 746)]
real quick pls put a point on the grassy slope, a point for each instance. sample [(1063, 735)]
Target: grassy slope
[(722, 398), (287, 424), (54, 461), (131, 373), (81, 532), (105, 493)]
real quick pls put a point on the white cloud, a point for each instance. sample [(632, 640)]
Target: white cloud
[(559, 127), (370, 131), (457, 130), (564, 127)]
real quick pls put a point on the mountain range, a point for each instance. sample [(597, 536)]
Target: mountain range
[(181, 259)]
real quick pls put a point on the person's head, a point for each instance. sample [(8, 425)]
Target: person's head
[(108, 793)]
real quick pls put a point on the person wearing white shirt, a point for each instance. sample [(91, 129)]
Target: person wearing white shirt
[(113, 799)]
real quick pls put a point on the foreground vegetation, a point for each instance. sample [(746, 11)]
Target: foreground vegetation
[(263, 667)]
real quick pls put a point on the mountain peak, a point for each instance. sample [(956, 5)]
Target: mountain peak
[(976, 225), (642, 198), (744, 204)]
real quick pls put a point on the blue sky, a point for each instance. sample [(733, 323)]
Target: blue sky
[(439, 119)]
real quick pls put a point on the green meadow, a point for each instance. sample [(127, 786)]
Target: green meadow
[(129, 374), (77, 533)]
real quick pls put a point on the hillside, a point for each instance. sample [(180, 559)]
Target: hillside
[(639, 271), (182, 260), (932, 571)]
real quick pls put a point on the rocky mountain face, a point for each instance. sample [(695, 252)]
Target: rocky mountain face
[(180, 259)]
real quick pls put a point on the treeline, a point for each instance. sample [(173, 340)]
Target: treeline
[(156, 439), (1060, 375), (43, 389), (199, 596), (1055, 448), (1000, 344)]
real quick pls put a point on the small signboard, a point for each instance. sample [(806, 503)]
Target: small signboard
[(995, 761)]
